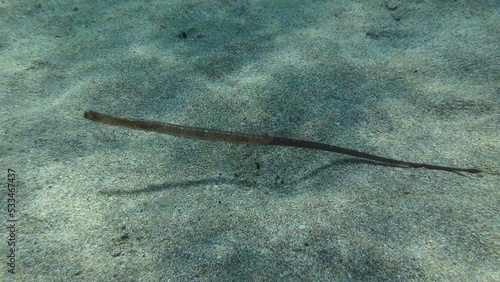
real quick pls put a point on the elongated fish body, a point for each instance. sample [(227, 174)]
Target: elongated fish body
[(238, 137)]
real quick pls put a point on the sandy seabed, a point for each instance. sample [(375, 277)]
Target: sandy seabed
[(412, 80)]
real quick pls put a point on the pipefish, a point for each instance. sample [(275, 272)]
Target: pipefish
[(238, 137)]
